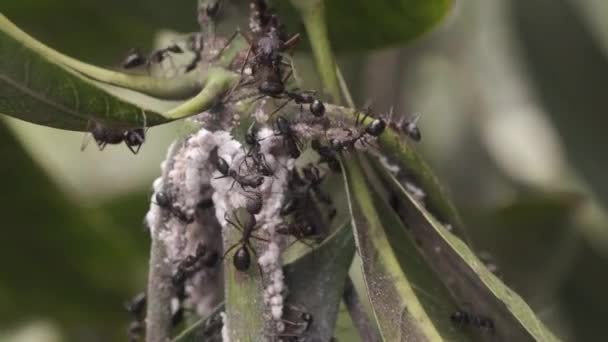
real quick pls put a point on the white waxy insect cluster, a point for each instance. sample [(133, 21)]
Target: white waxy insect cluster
[(229, 196)]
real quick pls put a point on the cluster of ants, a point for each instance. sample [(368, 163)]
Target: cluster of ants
[(267, 72)]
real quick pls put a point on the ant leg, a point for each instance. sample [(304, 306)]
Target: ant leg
[(279, 108), (248, 245), (259, 238), (86, 137), (101, 145), (230, 249), (291, 42), (229, 41), (288, 76), (134, 149), (297, 239), (236, 226)]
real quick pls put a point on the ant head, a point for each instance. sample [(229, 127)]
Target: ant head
[(137, 304), (308, 229), (213, 8), (162, 199), (289, 207), (135, 137), (458, 316), (174, 48), (306, 317), (376, 127), (317, 108)]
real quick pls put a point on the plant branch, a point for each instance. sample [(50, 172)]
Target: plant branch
[(243, 295), (176, 88), (218, 81), (160, 288), (313, 15)]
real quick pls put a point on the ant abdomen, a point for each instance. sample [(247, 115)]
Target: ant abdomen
[(241, 259)]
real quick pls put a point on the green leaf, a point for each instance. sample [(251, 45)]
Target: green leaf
[(38, 89), (524, 234), (321, 267), (570, 72), (203, 329), (583, 295), (243, 290), (408, 300), (325, 267), (100, 32), (469, 280), (59, 260), (362, 25), (415, 170)]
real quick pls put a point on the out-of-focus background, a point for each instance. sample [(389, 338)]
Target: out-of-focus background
[(513, 111)]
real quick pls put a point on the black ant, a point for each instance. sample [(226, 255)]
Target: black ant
[(327, 155), (290, 139), (242, 258), (374, 129), (190, 265), (289, 206), (300, 230), (133, 138), (461, 317), (255, 152), (222, 166), (300, 327), (136, 59), (267, 46), (313, 176), (316, 107), (193, 263), (165, 201), (408, 126), (137, 308)]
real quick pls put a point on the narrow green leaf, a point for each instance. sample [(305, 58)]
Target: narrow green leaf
[(243, 290), (39, 90), (408, 300), (469, 280), (325, 267), (361, 25), (413, 168), (524, 234), (203, 329), (101, 32)]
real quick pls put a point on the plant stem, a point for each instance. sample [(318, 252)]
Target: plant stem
[(243, 294), (160, 286), (313, 15), (218, 81)]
